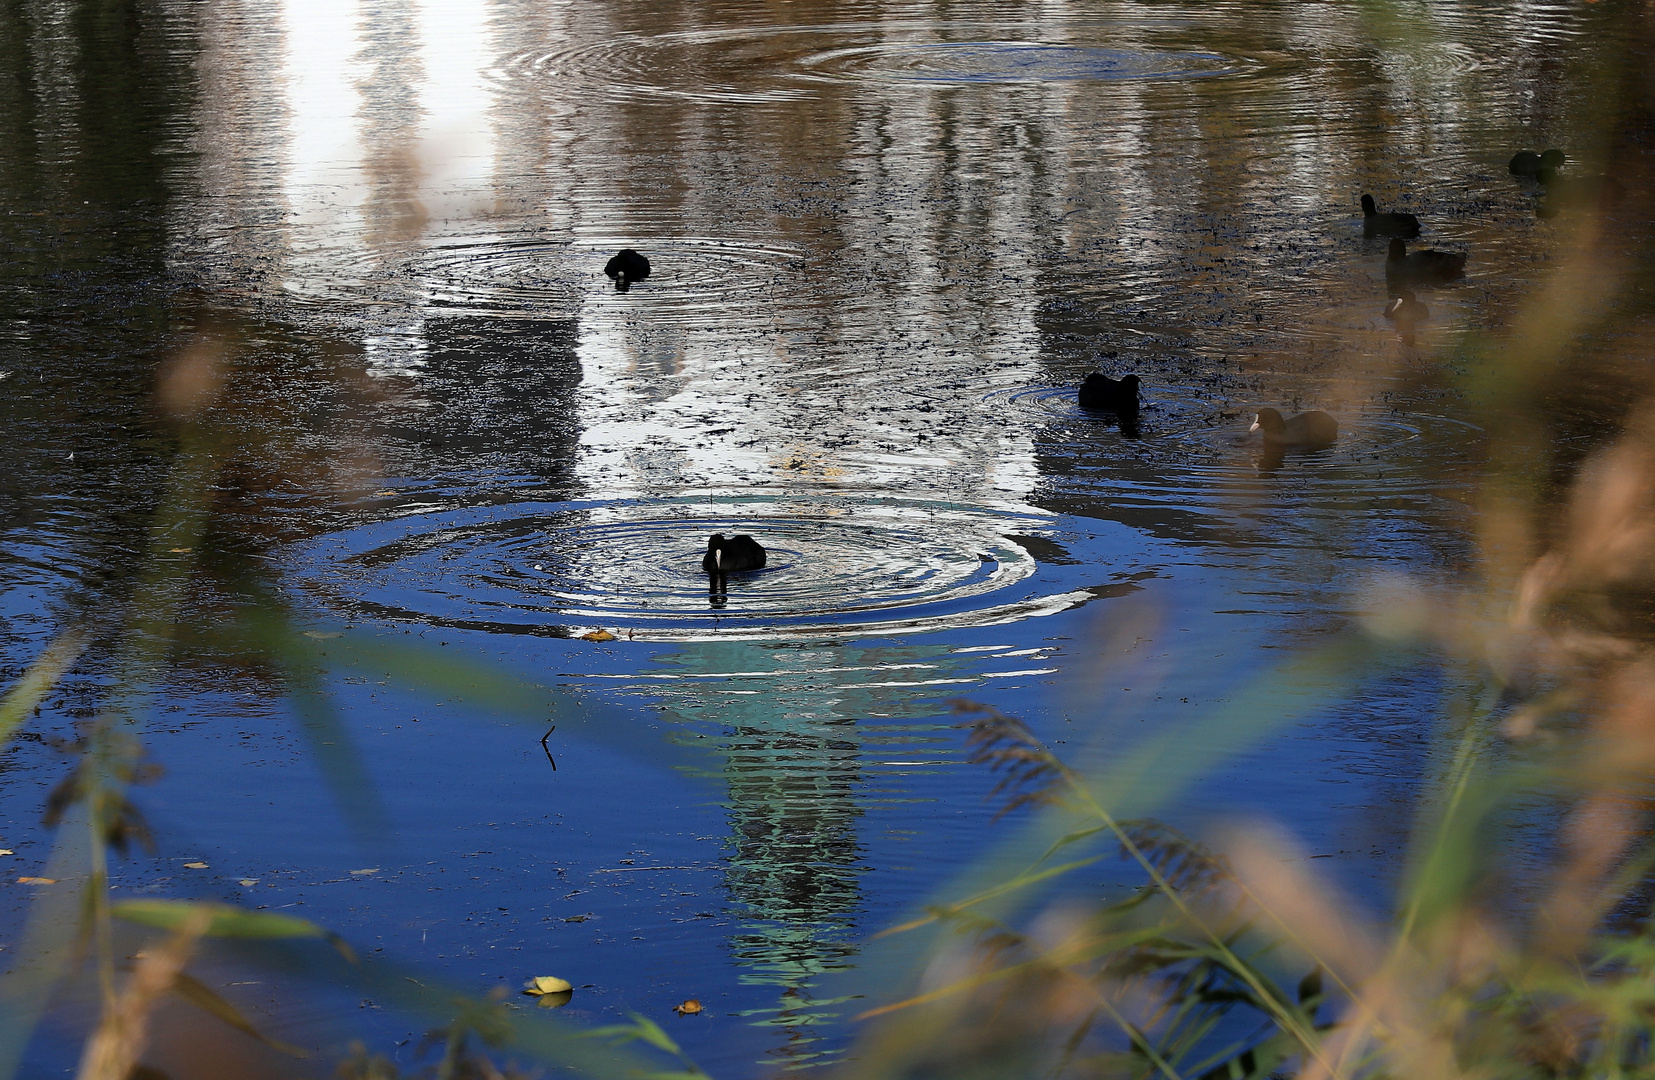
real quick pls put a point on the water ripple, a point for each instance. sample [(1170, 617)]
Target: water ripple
[(838, 565), (779, 63), (534, 277), (1012, 62)]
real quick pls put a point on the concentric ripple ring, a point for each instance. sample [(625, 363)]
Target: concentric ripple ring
[(836, 566)]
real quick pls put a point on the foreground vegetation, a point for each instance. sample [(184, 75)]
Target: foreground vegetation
[(1233, 959)]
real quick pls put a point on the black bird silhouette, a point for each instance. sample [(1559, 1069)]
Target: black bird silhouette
[(732, 554), (1529, 163), (1392, 224), (1426, 267), (1113, 395), (626, 267)]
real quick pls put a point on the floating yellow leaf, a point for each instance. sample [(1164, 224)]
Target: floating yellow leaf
[(7, 851), (689, 1008), (195, 866), (323, 635), (249, 881), (370, 870), (598, 635), (547, 984), (179, 551), (37, 881)]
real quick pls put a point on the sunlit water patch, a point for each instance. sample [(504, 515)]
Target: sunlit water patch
[(837, 566)]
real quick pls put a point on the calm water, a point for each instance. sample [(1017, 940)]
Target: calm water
[(888, 241)]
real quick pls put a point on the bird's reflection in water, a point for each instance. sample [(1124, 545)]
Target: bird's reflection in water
[(1269, 459)]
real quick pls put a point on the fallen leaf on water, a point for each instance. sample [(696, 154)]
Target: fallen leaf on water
[(689, 1008), (37, 881), (179, 551), (385, 492), (7, 851), (598, 635), (369, 870), (249, 881), (547, 984), (195, 866), (323, 635)]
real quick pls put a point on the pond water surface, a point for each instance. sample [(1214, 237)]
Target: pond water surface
[(888, 240)]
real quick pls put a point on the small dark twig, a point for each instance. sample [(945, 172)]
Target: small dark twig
[(548, 749)]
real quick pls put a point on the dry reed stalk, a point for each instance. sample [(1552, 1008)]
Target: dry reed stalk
[(1382, 983), (123, 1031), (1572, 598)]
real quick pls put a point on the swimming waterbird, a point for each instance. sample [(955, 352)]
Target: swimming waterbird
[(626, 267), (1406, 312), (1114, 395), (732, 554), (1529, 163), (1389, 224), (1307, 430), (1426, 266)]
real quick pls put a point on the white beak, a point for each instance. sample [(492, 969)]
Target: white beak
[(718, 558), (1255, 424)]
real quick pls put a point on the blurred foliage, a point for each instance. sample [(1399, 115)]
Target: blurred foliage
[(1230, 962)]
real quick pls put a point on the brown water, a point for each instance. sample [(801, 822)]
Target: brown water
[(888, 240)]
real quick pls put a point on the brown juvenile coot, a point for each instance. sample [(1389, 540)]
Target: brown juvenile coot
[(1309, 429)]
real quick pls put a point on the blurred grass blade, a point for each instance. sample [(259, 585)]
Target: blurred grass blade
[(650, 1032), (336, 756), (226, 921), (1131, 786), (442, 674), (37, 682), (197, 993), (301, 663), (1021, 881)]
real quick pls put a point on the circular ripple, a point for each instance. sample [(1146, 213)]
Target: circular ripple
[(837, 566), (778, 63), (1013, 62), (692, 277), (1362, 437), (1053, 401)]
